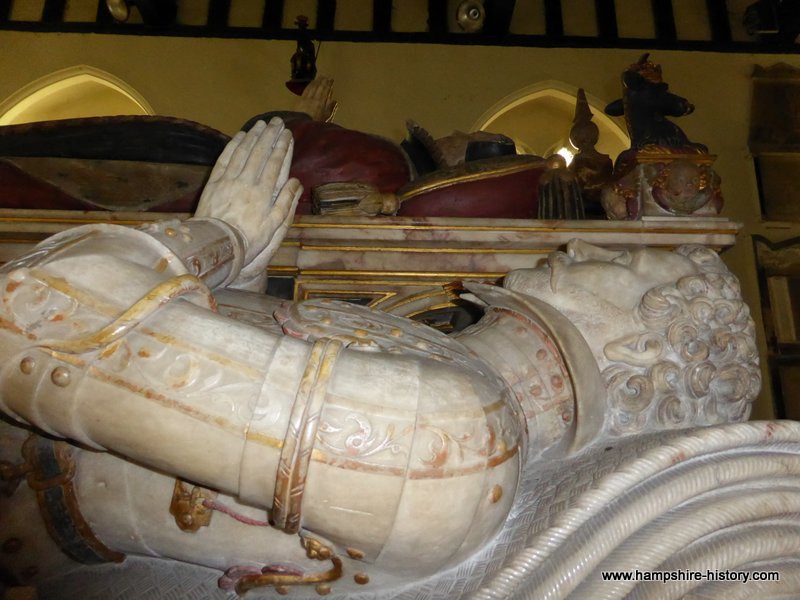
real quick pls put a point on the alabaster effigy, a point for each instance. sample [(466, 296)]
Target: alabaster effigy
[(170, 431)]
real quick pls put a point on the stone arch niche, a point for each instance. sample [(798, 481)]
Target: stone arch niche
[(79, 91), (538, 118)]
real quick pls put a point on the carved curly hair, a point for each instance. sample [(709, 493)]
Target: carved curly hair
[(695, 363)]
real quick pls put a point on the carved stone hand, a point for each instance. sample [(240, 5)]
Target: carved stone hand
[(249, 188), (317, 100)]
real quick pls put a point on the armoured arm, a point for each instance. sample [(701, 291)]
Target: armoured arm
[(246, 208), (105, 305), (250, 190), (109, 337), (299, 427)]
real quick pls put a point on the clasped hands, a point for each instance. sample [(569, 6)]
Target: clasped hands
[(249, 188)]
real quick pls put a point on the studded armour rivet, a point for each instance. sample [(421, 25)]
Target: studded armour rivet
[(27, 365), (60, 376)]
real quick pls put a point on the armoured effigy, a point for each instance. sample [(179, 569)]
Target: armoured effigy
[(325, 448)]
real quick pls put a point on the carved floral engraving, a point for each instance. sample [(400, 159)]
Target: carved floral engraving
[(42, 311), (179, 373), (355, 436)]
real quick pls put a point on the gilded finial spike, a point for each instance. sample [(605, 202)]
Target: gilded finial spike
[(582, 111), (584, 133)]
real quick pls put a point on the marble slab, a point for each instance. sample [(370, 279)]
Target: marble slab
[(376, 259)]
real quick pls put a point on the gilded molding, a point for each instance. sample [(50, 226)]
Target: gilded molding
[(300, 435)]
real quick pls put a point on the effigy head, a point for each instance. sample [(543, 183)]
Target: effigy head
[(672, 337)]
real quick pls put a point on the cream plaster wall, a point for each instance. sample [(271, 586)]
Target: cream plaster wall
[(222, 83)]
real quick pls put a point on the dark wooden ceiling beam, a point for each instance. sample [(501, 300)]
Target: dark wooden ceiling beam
[(53, 11), (272, 20), (664, 18), (498, 16), (553, 18), (103, 17), (606, 14), (718, 20), (5, 10), (437, 17), (218, 11), (497, 33), (326, 15), (382, 16)]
